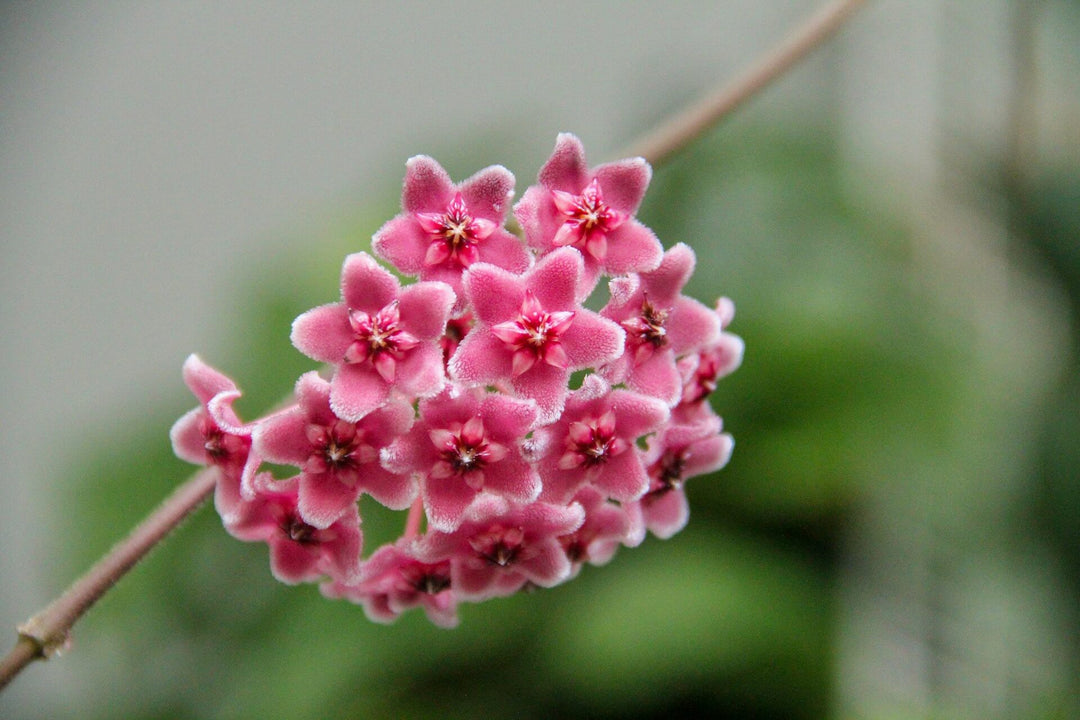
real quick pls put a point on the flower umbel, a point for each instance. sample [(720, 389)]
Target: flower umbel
[(453, 397)]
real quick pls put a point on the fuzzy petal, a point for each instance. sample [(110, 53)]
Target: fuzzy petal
[(282, 438), (494, 294), (323, 499), (425, 307), (204, 381), (488, 193), (481, 358), (420, 372), (623, 477), (666, 514), (323, 333), (632, 247), (403, 243), (691, 326), (356, 390), (427, 188), (555, 277), (547, 385), (566, 169), (366, 285), (624, 183), (592, 341)]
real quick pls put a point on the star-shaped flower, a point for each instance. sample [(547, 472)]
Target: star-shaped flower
[(500, 546), (445, 228), (701, 371), (594, 442), (607, 526), (211, 434), (591, 210), (393, 581), (380, 337), (678, 453), (339, 459), (464, 444), (661, 324), (299, 552), (532, 331)]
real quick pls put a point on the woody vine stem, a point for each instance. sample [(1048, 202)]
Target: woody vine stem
[(46, 633)]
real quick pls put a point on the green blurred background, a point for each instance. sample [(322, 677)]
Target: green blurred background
[(896, 536)]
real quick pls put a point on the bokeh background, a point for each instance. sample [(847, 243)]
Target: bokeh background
[(897, 220)]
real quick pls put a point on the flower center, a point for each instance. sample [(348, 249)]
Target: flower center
[(220, 446), (499, 546), (464, 451), (646, 333), (380, 339), (588, 220), (455, 234), (666, 473), (428, 579), (575, 547), (338, 449), (535, 335), (591, 443), (299, 531)]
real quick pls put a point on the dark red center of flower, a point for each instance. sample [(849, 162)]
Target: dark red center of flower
[(588, 220), (299, 531), (645, 332), (498, 545), (575, 546), (380, 339), (220, 446), (666, 473), (338, 449), (464, 451), (425, 578), (535, 335), (591, 442), (455, 234)]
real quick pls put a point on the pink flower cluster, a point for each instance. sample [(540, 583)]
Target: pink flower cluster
[(452, 396)]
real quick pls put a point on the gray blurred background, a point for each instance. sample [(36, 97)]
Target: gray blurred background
[(152, 154)]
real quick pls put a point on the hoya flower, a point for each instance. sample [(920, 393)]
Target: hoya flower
[(393, 581), (299, 552), (594, 443), (700, 371), (464, 444), (661, 324), (607, 526), (446, 227), (381, 336), (678, 453), (591, 210), (211, 434), (338, 459), (532, 331), (499, 547)]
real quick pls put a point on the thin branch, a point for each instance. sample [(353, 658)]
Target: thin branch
[(681, 129), (46, 633)]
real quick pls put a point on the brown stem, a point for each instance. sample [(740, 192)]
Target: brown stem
[(46, 633), (681, 129)]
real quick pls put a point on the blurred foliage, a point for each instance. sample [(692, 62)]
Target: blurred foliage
[(861, 387)]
